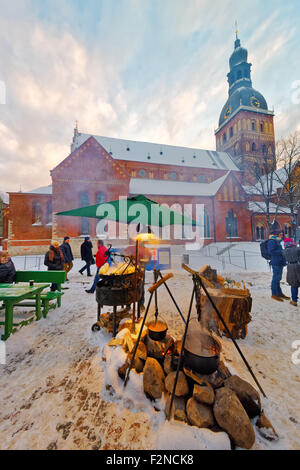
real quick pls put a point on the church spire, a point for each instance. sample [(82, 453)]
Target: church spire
[(237, 40)]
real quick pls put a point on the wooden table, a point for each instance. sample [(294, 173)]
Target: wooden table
[(10, 295)]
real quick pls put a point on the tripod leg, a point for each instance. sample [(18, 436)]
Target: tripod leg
[(181, 355), (138, 341), (115, 322)]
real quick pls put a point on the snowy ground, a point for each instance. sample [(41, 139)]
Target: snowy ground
[(55, 389)]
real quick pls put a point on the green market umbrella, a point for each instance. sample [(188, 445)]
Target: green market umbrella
[(138, 209)]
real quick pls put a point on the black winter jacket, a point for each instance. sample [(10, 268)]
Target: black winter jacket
[(67, 252), (7, 273), (87, 252)]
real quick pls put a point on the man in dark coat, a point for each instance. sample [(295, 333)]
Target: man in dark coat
[(292, 256), (87, 256), (7, 269), (277, 262), (68, 255), (54, 260)]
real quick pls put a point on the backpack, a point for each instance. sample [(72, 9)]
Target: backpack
[(264, 250)]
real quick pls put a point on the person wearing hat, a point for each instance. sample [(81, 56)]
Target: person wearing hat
[(68, 255), (54, 260), (292, 256), (277, 261)]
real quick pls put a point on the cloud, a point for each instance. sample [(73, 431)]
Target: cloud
[(136, 70)]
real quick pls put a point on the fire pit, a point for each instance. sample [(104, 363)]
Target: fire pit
[(118, 290)]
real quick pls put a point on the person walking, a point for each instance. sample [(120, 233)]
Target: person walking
[(277, 261), (292, 256), (54, 260), (101, 258), (68, 256), (87, 256), (7, 269)]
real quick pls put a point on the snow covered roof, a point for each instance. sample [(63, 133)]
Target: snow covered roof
[(260, 207), (174, 188), (157, 153), (279, 179), (4, 197), (41, 190)]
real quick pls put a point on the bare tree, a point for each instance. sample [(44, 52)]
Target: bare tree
[(275, 181), (262, 186), (288, 174)]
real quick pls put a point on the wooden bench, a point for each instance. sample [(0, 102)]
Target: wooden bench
[(55, 277)]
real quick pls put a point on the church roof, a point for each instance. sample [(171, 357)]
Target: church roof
[(175, 188), (41, 190), (128, 150)]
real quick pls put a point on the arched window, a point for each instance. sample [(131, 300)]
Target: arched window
[(224, 138), (253, 147), (261, 127), (206, 224), (260, 232), (231, 225), (253, 125), (264, 148), (231, 132), (36, 213), (49, 213), (85, 223), (100, 198)]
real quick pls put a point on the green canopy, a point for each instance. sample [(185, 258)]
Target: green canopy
[(137, 209)]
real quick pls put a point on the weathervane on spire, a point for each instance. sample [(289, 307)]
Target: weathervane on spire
[(236, 29)]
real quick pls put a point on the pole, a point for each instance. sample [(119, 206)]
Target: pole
[(181, 355), (172, 297), (231, 337), (138, 341)]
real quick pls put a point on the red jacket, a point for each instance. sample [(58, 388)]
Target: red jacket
[(101, 259)]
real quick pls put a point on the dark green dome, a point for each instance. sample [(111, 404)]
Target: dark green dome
[(244, 96), (239, 55)]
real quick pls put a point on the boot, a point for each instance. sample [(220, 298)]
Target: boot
[(284, 297), (293, 303), (276, 297)]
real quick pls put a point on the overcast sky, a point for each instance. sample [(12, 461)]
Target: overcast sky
[(150, 70)]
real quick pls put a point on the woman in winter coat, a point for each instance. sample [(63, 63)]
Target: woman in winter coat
[(292, 256), (7, 269), (54, 260), (87, 256)]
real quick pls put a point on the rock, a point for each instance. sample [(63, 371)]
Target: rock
[(204, 393), (232, 417), (138, 364), (199, 414), (157, 349), (154, 378), (247, 395), (141, 352), (182, 387), (178, 409), (266, 429), (122, 370), (168, 365)]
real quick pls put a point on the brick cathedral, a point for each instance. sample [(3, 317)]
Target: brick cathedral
[(101, 169)]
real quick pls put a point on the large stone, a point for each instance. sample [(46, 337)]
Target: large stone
[(266, 429), (232, 417), (204, 393), (199, 414), (182, 387), (141, 352), (154, 378), (247, 395), (178, 408), (138, 364), (168, 365), (157, 349)]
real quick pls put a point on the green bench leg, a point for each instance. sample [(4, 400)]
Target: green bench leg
[(8, 321), (38, 307), (59, 298), (46, 307)]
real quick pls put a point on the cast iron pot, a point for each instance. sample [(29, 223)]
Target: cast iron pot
[(201, 364), (157, 335)]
